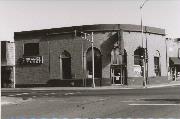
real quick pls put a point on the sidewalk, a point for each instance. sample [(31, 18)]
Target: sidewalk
[(172, 83), (13, 100)]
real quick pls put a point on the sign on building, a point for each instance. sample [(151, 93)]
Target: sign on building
[(137, 71), (31, 60), (10, 54)]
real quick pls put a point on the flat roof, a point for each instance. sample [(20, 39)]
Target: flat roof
[(90, 28)]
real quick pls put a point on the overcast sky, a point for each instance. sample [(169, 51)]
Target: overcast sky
[(24, 15)]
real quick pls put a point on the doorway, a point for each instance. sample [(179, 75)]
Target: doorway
[(118, 68), (6, 81), (118, 74), (66, 65), (97, 62), (157, 67)]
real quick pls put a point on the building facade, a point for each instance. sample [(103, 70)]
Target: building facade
[(173, 59), (7, 64), (63, 56)]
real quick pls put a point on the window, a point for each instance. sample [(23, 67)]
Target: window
[(138, 56), (156, 66), (157, 63), (137, 60), (3, 51), (31, 49), (115, 56), (97, 62)]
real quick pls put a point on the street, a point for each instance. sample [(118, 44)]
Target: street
[(161, 102)]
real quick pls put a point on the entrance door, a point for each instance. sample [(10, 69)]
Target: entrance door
[(157, 66), (117, 75), (66, 66), (5, 77)]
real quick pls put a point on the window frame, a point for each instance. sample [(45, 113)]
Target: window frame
[(137, 57), (34, 49), (157, 69)]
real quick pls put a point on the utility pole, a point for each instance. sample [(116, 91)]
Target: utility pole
[(82, 50), (0, 63), (145, 49), (92, 45)]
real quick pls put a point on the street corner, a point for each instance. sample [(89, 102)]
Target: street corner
[(170, 84), (175, 82), (13, 100)]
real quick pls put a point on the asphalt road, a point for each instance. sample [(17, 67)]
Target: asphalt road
[(125, 103)]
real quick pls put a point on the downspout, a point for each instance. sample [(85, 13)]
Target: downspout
[(166, 57)]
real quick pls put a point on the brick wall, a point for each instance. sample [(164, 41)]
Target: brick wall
[(103, 41), (28, 74), (72, 45)]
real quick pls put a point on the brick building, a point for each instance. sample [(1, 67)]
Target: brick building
[(62, 56)]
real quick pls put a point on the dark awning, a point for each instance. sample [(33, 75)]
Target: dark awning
[(174, 61)]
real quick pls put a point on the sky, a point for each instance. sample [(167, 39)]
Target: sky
[(26, 15)]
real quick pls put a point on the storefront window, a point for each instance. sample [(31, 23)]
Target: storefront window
[(157, 64)]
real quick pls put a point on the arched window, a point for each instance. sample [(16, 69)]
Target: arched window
[(138, 56), (66, 65), (115, 59), (115, 56), (97, 62)]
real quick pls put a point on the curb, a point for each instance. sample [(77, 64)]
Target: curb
[(88, 88), (68, 89)]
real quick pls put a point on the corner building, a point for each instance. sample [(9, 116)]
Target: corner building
[(61, 57)]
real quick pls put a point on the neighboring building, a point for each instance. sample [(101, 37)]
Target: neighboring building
[(62, 56), (7, 64), (173, 59)]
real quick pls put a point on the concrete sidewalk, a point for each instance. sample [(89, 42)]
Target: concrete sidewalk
[(172, 83), (13, 100)]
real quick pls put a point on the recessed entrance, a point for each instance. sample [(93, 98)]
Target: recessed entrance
[(66, 65), (97, 62), (6, 73), (118, 74), (157, 68), (118, 68)]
